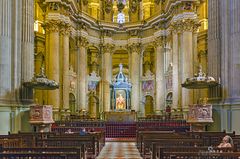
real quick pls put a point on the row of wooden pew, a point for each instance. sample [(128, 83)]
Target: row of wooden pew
[(51, 145), (185, 145)]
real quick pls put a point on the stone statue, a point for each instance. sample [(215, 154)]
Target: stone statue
[(120, 102)]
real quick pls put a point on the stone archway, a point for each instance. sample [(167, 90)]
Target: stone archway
[(169, 99), (148, 105)]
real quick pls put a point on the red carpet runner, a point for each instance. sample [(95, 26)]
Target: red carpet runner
[(119, 150)]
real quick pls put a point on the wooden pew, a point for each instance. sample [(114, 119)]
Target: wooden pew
[(148, 144), (11, 142), (88, 142), (210, 138), (159, 151), (203, 155), (69, 153), (24, 155)]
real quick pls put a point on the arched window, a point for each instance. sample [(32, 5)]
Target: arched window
[(121, 18)]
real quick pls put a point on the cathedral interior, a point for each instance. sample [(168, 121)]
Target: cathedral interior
[(104, 58)]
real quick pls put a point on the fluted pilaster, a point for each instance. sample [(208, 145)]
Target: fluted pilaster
[(107, 75), (187, 66), (82, 73), (52, 28), (65, 31), (135, 75), (27, 46), (5, 47), (27, 40), (184, 29), (160, 84), (214, 43)]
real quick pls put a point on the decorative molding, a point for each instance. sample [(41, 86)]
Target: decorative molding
[(161, 33), (108, 40), (134, 32), (94, 40), (134, 40)]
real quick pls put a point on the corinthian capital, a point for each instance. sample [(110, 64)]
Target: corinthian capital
[(159, 41), (65, 29), (184, 25), (108, 48), (135, 47), (52, 26), (82, 42)]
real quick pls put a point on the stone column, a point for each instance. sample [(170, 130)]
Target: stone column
[(187, 64), (214, 46), (82, 72), (52, 28), (135, 76), (107, 76), (5, 47), (160, 84), (175, 77), (65, 59), (27, 47)]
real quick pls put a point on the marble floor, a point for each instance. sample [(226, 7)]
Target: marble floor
[(119, 150)]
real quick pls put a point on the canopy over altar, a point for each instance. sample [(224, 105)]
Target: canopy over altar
[(120, 92)]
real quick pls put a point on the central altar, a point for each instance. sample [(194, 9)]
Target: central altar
[(120, 93), (117, 116)]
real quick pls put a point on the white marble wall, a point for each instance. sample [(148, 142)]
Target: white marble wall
[(224, 60), (16, 61), (5, 48)]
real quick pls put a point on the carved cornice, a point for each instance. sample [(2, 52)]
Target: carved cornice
[(108, 48), (107, 33), (134, 33)]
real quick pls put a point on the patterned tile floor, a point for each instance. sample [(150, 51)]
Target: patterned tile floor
[(119, 150)]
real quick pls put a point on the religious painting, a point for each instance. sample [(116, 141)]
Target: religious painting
[(92, 85), (120, 99), (148, 86)]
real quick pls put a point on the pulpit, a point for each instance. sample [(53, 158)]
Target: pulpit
[(41, 117), (199, 116)]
